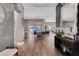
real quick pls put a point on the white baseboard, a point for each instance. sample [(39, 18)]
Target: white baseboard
[(20, 43)]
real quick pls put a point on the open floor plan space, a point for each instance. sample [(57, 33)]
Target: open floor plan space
[(39, 46), (39, 29)]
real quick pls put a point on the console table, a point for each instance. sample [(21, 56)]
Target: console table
[(64, 45)]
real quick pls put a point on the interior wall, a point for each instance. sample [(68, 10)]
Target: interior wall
[(52, 24), (18, 28), (7, 32), (58, 16), (68, 24), (69, 14), (38, 23)]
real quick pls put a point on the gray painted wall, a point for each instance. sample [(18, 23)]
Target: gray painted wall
[(7, 32), (58, 15)]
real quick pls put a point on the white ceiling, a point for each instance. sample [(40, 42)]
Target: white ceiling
[(70, 5), (40, 4), (40, 13), (69, 12), (47, 11)]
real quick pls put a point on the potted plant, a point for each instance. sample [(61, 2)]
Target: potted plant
[(60, 33)]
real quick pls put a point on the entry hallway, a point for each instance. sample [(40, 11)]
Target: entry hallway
[(41, 46)]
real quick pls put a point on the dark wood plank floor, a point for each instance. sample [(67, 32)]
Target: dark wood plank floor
[(42, 46)]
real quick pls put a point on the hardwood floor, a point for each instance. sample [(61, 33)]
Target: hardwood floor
[(42, 46)]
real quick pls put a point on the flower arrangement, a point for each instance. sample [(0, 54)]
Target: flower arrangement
[(60, 32)]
